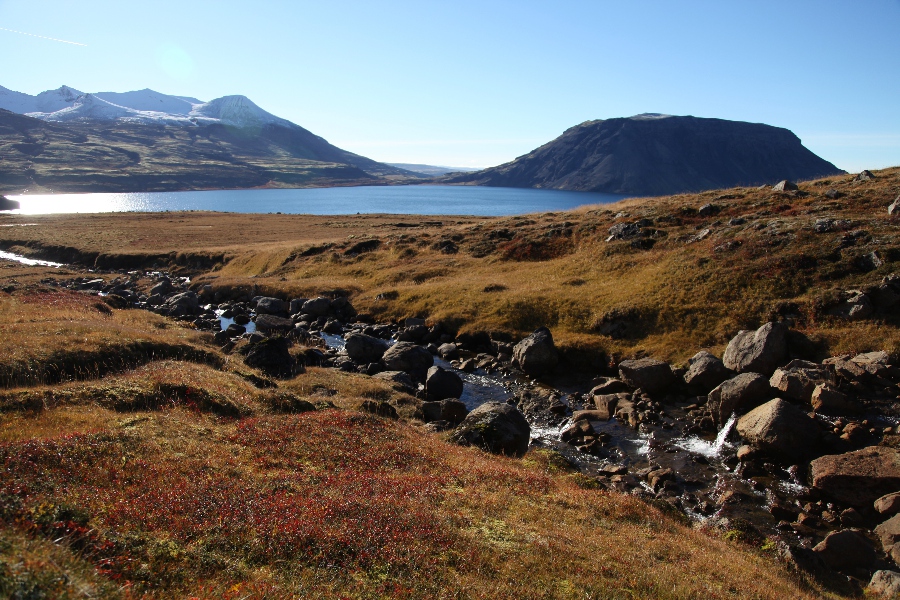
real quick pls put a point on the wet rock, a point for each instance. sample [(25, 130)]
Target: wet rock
[(609, 386), (761, 351), (536, 355), (317, 307), (885, 584), (495, 427), (846, 549), (441, 384), (271, 356), (889, 504), (740, 393), (785, 186), (590, 415), (706, 371), (364, 349), (271, 306), (273, 323), (827, 399), (650, 375), (606, 404), (408, 357), (577, 430), (799, 378), (857, 478), (448, 351), (781, 430)]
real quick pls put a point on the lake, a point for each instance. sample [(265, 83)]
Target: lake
[(414, 200)]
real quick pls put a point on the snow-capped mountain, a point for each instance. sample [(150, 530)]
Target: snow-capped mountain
[(142, 106)]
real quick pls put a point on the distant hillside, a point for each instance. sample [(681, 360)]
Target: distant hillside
[(650, 155), (432, 170), (146, 141)]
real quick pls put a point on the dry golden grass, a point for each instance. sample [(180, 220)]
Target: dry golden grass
[(557, 270)]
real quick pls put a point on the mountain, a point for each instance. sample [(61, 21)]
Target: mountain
[(143, 140), (432, 170), (653, 154)]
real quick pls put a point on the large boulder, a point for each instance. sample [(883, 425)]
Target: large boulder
[(781, 430), (364, 349), (706, 371), (317, 307), (273, 323), (799, 378), (889, 533), (402, 380), (271, 306), (410, 358), (846, 549), (760, 351), (650, 375), (857, 478), (740, 393), (185, 303), (829, 400), (496, 427), (441, 384), (271, 356), (536, 355)]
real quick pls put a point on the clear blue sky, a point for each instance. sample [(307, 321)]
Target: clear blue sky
[(477, 83)]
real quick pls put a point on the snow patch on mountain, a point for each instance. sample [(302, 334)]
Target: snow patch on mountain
[(149, 100), (45, 102), (239, 111)]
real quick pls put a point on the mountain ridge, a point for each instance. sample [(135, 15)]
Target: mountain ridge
[(655, 154)]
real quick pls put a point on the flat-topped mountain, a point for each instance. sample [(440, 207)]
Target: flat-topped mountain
[(66, 140), (654, 154)]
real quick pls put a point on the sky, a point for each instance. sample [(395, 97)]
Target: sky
[(478, 83)]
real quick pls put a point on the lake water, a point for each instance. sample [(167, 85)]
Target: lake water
[(414, 200)]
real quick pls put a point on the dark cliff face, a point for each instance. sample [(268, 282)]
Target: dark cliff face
[(652, 155)]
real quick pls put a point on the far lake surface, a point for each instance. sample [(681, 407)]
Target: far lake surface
[(413, 200)]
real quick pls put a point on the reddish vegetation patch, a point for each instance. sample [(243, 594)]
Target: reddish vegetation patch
[(329, 489)]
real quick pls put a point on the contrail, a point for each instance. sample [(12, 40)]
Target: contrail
[(42, 37)]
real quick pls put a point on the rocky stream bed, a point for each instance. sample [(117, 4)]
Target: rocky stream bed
[(795, 456)]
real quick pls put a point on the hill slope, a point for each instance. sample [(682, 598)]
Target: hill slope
[(659, 154)]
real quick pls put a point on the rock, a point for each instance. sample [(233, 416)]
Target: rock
[(448, 351), (889, 504), (317, 307), (364, 349), (577, 430), (495, 427), (865, 175), (706, 372), (271, 306), (740, 393), (163, 287), (833, 194), (453, 411), (846, 549), (889, 533), (271, 356), (855, 305), (273, 323), (590, 415), (873, 358), (761, 351), (707, 210), (380, 408), (441, 384), (894, 208), (399, 377), (650, 375), (606, 405), (885, 584), (827, 399), (785, 186), (296, 305), (185, 303), (780, 429), (429, 411), (799, 378), (408, 357), (536, 355), (609, 386), (857, 478)]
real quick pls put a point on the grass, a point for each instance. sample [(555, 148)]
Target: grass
[(177, 478)]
